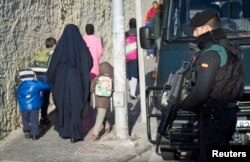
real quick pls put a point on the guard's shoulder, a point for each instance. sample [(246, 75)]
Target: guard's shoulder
[(220, 50)]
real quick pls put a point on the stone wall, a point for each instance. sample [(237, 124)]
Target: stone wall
[(25, 24)]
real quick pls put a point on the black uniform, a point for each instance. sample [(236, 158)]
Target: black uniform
[(208, 99)]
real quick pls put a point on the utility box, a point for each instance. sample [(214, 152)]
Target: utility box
[(118, 99)]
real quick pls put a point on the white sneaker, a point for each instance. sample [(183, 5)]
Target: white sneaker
[(152, 55), (148, 57)]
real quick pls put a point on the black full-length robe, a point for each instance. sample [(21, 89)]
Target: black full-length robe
[(69, 75)]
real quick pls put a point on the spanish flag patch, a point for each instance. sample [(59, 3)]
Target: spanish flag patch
[(204, 65)]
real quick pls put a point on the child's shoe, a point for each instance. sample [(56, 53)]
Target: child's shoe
[(108, 130), (95, 137), (27, 134), (35, 137)]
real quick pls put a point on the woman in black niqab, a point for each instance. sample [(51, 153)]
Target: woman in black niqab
[(68, 73)]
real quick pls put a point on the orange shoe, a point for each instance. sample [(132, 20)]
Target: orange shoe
[(108, 130), (95, 137)]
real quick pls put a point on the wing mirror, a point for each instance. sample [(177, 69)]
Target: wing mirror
[(146, 39)]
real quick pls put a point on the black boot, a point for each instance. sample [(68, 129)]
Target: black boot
[(74, 140), (27, 134)]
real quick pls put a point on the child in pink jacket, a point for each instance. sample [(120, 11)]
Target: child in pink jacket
[(94, 44)]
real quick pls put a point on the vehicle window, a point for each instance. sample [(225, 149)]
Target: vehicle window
[(235, 17)]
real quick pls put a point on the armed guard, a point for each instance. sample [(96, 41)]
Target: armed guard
[(218, 82)]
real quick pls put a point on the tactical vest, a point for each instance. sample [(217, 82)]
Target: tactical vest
[(228, 85)]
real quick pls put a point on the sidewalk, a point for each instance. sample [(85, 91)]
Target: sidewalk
[(51, 148)]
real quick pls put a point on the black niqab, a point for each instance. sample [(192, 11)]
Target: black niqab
[(69, 75)]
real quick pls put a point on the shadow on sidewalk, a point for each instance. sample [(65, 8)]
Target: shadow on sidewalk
[(89, 115), (133, 114), (134, 111), (44, 129)]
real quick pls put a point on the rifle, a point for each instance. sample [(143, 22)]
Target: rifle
[(175, 83), (175, 89), (171, 96)]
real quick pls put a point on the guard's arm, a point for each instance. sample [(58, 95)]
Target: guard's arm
[(208, 64)]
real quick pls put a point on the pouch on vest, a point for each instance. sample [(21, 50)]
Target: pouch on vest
[(131, 52), (103, 86)]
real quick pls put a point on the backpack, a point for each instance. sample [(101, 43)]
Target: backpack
[(235, 86), (131, 52), (103, 86), (42, 60), (237, 90)]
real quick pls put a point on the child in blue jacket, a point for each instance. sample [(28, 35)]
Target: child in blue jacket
[(29, 99)]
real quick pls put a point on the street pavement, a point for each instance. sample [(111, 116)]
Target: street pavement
[(51, 148)]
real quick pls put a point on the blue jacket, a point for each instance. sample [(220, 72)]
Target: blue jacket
[(28, 94)]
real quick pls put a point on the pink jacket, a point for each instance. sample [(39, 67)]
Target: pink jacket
[(94, 44)]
